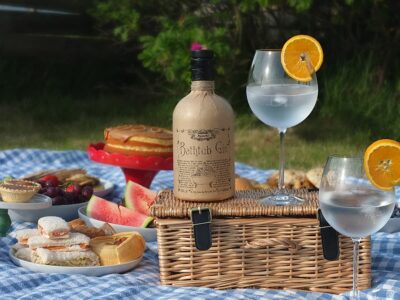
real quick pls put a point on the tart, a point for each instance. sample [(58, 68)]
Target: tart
[(138, 140), (19, 191)]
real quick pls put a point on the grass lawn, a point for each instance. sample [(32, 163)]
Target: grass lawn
[(66, 122)]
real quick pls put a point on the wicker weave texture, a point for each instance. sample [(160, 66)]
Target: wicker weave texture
[(276, 253), (244, 204)]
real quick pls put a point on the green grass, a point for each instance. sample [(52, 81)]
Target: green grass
[(70, 111), (66, 122)]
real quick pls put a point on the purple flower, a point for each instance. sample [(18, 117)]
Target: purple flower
[(196, 46)]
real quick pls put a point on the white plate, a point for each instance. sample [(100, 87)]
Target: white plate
[(149, 234), (88, 271), (108, 187), (68, 212), (38, 201)]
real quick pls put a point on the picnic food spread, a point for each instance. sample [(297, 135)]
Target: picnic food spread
[(66, 186), (138, 140), (58, 243), (244, 233)]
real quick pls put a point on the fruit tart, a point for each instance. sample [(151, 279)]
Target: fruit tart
[(15, 190)]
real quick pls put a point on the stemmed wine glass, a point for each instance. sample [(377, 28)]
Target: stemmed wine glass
[(281, 102), (351, 205)]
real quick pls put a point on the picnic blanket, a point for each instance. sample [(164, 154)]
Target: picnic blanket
[(143, 282)]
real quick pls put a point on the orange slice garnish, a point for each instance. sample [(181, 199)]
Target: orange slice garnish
[(382, 164), (298, 53)]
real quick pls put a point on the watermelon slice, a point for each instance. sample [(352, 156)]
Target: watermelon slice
[(139, 198), (111, 212)]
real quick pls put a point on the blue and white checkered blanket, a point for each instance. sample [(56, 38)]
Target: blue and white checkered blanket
[(143, 282)]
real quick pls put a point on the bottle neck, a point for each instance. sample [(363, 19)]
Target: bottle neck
[(200, 85)]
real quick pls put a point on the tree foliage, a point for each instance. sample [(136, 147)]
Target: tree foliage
[(163, 31)]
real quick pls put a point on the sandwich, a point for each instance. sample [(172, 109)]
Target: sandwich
[(53, 227), (62, 258), (24, 234), (75, 242), (24, 253)]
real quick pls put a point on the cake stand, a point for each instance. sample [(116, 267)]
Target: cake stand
[(136, 168)]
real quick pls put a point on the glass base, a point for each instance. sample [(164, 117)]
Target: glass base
[(282, 198), (355, 295)]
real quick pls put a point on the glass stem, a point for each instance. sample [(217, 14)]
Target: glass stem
[(355, 294), (281, 182)]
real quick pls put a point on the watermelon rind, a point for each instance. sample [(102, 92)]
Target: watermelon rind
[(104, 210)]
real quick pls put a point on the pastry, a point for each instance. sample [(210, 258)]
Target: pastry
[(24, 234), (79, 225), (293, 179), (118, 248), (243, 184), (138, 140), (18, 190), (61, 258), (76, 222), (53, 227), (314, 176), (76, 242)]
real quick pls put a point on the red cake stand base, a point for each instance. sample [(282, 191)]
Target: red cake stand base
[(136, 168)]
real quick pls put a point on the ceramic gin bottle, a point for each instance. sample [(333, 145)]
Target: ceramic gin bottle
[(203, 136)]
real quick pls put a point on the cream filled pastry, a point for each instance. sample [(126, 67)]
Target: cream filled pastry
[(75, 242), (53, 227)]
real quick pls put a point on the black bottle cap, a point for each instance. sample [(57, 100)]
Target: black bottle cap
[(202, 65)]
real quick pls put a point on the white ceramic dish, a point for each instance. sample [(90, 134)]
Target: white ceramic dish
[(38, 201), (67, 212), (149, 234), (108, 187), (88, 271)]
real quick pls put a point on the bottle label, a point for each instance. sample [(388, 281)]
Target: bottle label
[(203, 160)]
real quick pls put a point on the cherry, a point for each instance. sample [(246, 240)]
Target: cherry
[(87, 192)]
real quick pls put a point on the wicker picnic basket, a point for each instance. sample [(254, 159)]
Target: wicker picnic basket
[(254, 245)]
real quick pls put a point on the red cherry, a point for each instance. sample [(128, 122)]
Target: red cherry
[(51, 178)]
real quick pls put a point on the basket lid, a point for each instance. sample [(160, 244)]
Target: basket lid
[(244, 204)]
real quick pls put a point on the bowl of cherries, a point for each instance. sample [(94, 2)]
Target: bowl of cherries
[(67, 198), (64, 194)]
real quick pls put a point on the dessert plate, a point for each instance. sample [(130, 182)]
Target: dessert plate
[(67, 212), (88, 271), (149, 234), (38, 201)]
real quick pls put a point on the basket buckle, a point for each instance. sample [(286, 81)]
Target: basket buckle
[(329, 238), (201, 222)]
